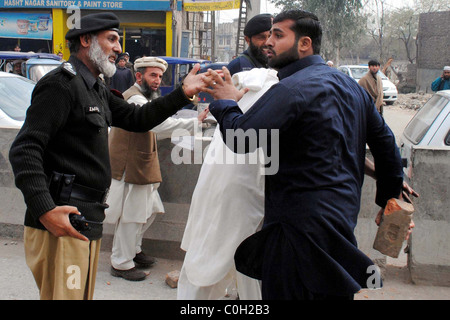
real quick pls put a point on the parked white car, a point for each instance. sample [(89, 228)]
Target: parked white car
[(15, 98), (390, 92), (429, 127)]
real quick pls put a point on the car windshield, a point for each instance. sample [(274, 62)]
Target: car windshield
[(15, 96), (167, 76), (38, 71), (183, 70), (419, 125), (358, 73), (382, 75)]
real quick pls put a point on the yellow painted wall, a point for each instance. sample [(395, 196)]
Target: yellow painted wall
[(169, 34), (59, 32)]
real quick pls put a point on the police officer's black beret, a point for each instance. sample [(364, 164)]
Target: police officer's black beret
[(257, 24), (93, 23)]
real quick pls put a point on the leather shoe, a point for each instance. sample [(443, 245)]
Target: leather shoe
[(142, 260), (131, 274)]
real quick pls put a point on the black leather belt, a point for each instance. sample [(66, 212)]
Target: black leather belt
[(62, 188), (83, 193)]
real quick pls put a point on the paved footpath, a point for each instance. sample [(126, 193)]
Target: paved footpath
[(17, 283)]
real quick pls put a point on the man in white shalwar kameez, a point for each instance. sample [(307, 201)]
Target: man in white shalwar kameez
[(134, 200), (217, 223)]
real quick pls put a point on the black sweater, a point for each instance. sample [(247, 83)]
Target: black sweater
[(66, 130)]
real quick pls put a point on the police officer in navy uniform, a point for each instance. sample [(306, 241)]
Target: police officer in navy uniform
[(61, 162), (256, 33)]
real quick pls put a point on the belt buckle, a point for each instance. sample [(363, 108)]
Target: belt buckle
[(105, 196)]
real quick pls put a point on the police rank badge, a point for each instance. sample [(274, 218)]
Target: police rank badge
[(68, 68)]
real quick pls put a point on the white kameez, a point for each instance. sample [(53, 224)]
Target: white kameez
[(137, 205), (227, 206)]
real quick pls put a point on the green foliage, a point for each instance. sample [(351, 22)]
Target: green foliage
[(342, 21)]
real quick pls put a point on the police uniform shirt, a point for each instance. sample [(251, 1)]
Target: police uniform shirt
[(244, 62)]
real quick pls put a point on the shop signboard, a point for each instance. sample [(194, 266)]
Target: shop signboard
[(210, 5), (26, 25), (153, 5)]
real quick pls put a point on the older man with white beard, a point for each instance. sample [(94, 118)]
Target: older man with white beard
[(61, 162)]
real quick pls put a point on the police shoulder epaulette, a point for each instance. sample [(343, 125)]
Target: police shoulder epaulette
[(69, 69)]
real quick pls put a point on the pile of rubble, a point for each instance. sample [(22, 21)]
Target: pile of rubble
[(412, 100)]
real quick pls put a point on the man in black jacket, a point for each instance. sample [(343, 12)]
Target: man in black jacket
[(61, 162), (123, 79)]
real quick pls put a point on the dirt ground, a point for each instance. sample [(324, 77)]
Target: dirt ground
[(411, 100)]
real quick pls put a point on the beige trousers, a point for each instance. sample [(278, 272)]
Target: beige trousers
[(64, 268)]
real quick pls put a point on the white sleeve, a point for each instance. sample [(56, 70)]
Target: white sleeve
[(137, 99), (165, 129), (182, 126)]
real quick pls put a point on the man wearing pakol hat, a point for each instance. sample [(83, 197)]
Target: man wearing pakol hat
[(136, 174), (256, 32), (123, 78), (60, 156), (443, 82)]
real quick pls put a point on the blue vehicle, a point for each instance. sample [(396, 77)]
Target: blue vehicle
[(204, 97), (34, 65), (178, 68), (36, 68)]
